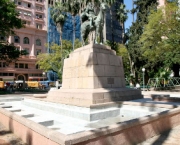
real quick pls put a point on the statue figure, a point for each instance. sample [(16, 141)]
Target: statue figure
[(91, 22), (89, 14)]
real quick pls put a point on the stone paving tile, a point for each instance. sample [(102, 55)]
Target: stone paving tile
[(171, 137), (8, 138)]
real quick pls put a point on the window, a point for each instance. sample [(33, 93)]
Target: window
[(26, 22), (26, 40), (38, 51), (38, 26), (38, 42), (39, 8), (27, 13), (17, 2), (27, 50), (2, 38), (2, 64), (16, 39), (26, 65), (29, 5), (16, 65), (39, 16), (39, 1), (37, 66), (21, 65)]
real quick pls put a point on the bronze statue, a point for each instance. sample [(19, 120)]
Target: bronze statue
[(91, 22)]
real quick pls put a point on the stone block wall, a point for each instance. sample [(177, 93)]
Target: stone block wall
[(91, 67)]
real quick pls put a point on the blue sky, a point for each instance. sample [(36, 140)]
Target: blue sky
[(128, 4)]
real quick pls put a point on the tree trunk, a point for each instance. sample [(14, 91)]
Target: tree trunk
[(112, 30), (73, 30)]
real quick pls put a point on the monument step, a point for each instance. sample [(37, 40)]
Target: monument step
[(25, 114), (43, 121), (13, 109), (5, 106)]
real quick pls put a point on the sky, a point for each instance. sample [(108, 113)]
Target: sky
[(128, 4)]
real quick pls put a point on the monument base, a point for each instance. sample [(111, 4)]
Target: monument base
[(88, 97)]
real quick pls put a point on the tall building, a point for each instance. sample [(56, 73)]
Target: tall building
[(113, 31), (31, 38)]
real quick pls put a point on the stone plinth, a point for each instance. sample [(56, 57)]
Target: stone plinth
[(93, 74)]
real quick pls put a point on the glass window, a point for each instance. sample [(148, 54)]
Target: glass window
[(26, 40), (26, 65), (38, 51), (38, 42), (19, 2), (37, 66), (16, 65), (10, 74), (16, 39), (29, 5), (38, 26), (21, 65), (38, 16), (27, 50), (5, 74), (2, 38), (4, 64)]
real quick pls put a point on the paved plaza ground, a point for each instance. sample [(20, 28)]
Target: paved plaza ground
[(171, 137)]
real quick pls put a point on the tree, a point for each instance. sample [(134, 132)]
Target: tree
[(73, 8), (58, 14), (121, 15), (142, 10), (9, 18), (9, 53), (53, 61), (160, 43), (9, 22)]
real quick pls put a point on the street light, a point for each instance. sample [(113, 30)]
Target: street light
[(143, 70), (43, 75)]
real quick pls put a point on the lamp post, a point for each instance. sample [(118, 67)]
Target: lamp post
[(43, 75), (143, 70)]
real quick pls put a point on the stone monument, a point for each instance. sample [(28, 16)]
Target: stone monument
[(93, 76)]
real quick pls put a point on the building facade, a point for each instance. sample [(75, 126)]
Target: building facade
[(31, 38)]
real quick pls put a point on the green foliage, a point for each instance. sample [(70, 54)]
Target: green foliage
[(142, 10), (9, 22), (73, 7), (77, 44), (54, 60), (9, 18), (160, 40), (58, 14), (9, 53)]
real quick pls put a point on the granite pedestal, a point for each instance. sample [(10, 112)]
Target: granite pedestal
[(93, 75)]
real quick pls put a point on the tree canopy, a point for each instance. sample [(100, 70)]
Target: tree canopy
[(160, 41), (53, 61), (9, 22), (142, 10), (9, 18)]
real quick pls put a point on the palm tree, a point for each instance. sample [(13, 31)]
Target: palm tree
[(58, 14), (73, 8), (121, 15)]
